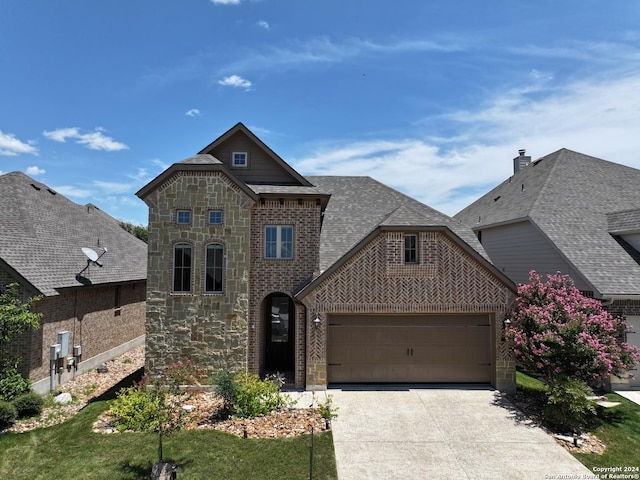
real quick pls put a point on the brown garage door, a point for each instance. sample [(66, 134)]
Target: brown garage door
[(408, 348)]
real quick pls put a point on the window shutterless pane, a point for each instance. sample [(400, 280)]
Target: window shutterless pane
[(410, 249), (215, 217), (182, 268), (183, 217), (286, 245), (271, 242), (214, 268)]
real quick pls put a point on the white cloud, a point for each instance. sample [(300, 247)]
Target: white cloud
[(235, 81), (74, 192), (112, 188), (10, 146), (226, 2), (263, 24), (194, 112), (95, 140), (597, 117), (34, 170)]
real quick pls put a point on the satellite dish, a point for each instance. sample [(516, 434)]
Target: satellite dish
[(92, 255)]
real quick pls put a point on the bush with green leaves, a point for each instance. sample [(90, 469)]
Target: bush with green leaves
[(226, 387), (255, 396), (8, 414), (12, 383), (568, 407), (246, 394), (327, 410), (136, 409), (28, 405)]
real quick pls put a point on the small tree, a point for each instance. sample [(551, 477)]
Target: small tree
[(16, 318), (560, 333)]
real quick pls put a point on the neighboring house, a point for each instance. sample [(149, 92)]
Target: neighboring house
[(569, 213), (322, 279), (102, 308)]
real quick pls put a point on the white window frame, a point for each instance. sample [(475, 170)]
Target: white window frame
[(280, 252), (239, 165)]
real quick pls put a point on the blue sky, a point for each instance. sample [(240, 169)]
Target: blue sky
[(433, 98)]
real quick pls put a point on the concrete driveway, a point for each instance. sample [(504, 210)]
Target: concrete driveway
[(441, 433)]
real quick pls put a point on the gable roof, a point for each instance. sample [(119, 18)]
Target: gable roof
[(42, 234), (198, 162), (240, 127), (568, 195), (359, 205)]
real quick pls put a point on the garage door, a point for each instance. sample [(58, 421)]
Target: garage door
[(407, 348)]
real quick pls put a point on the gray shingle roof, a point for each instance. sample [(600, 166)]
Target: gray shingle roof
[(568, 196), (626, 221), (42, 234), (358, 205)]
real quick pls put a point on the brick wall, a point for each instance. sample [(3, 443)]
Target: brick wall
[(281, 276), (90, 317)]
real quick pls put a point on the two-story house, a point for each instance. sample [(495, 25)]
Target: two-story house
[(253, 266)]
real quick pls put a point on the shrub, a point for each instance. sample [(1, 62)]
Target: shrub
[(567, 406), (8, 414), (327, 410), (256, 397), (136, 409), (226, 387), (12, 383), (28, 404)]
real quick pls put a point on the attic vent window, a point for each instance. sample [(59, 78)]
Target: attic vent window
[(36, 187), (497, 198), (239, 159), (522, 187), (52, 192)]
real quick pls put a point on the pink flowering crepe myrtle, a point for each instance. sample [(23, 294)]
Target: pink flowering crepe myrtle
[(557, 331)]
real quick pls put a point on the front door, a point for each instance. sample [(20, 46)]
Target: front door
[(280, 338)]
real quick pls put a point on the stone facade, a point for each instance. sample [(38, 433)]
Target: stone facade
[(210, 329)]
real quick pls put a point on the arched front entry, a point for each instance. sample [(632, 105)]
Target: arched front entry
[(279, 331)]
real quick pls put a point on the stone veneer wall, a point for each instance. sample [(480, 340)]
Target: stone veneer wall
[(208, 329), (284, 276), (376, 280)]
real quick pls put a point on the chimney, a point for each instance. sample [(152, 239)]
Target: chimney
[(521, 161)]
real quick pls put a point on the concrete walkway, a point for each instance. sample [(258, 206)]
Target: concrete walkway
[(441, 433), (633, 395)]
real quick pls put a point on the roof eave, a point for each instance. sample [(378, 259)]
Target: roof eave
[(185, 167)]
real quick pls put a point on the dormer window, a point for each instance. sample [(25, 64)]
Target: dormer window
[(239, 159)]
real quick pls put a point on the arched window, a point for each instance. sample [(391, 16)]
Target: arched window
[(214, 268), (182, 265)]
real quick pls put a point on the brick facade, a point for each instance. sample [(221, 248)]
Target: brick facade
[(369, 282), (281, 276), (90, 317)]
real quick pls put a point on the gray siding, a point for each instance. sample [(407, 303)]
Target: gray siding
[(261, 167), (518, 248)]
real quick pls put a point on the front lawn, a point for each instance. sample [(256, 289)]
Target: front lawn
[(72, 450), (617, 427)]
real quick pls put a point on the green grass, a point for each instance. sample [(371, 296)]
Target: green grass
[(618, 428), (72, 450)]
